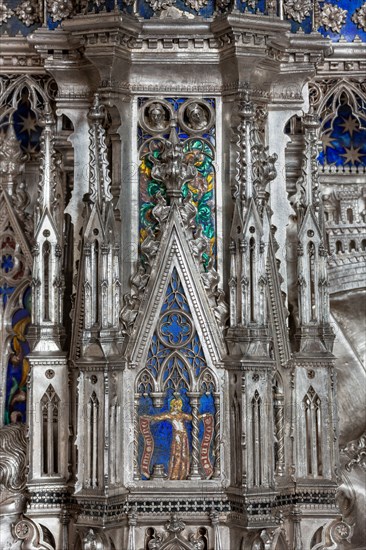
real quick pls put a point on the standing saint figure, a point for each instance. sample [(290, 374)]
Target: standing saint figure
[(179, 450)]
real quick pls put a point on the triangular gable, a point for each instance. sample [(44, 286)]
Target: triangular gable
[(18, 232), (310, 222), (276, 308), (252, 219), (110, 220), (236, 224), (46, 220), (174, 252), (94, 222)]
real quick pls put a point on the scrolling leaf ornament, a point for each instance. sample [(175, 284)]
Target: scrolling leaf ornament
[(162, 5), (171, 168), (174, 539), (297, 10)]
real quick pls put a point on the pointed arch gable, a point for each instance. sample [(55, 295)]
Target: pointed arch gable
[(11, 95), (253, 218), (21, 239), (174, 253), (341, 86), (164, 375), (310, 222), (47, 222), (149, 379), (94, 222)]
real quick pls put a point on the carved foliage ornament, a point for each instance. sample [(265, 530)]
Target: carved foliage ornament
[(59, 9), (28, 12), (175, 540), (333, 18), (5, 12), (161, 5), (359, 17), (297, 9)]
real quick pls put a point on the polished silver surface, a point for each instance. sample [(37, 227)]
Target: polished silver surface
[(275, 303)]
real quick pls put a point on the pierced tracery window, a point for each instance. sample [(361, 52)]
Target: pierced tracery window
[(343, 125), (312, 267), (114, 429), (46, 251), (313, 437), (92, 442), (177, 403), (50, 411), (257, 439)]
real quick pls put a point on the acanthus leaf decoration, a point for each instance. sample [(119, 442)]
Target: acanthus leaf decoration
[(307, 185), (243, 174), (172, 169), (263, 168), (49, 185), (100, 182)]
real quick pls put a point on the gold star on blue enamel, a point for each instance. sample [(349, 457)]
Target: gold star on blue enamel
[(352, 155), (327, 140), (350, 125), (30, 149), (28, 124)]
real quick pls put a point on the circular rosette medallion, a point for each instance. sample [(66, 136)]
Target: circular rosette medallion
[(175, 329)]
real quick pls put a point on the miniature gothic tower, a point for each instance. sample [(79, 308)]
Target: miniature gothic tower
[(313, 432), (164, 297), (96, 312), (251, 361), (48, 397)]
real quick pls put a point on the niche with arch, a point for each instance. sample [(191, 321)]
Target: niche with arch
[(177, 399)]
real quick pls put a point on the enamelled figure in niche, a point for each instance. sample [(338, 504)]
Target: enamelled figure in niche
[(179, 460), (179, 451)]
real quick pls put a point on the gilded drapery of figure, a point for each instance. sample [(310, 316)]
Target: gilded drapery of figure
[(179, 451)]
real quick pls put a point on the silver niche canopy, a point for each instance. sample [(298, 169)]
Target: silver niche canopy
[(182, 275)]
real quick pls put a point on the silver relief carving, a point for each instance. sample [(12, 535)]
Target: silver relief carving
[(28, 12), (60, 9), (155, 116), (298, 10), (5, 12), (288, 443), (196, 117), (359, 17), (332, 17)]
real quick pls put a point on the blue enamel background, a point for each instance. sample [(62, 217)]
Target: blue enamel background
[(349, 31)]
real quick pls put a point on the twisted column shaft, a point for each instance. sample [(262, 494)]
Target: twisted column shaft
[(279, 426), (136, 473), (217, 436), (194, 473)]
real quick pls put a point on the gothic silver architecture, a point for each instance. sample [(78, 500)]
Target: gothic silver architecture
[(182, 274)]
